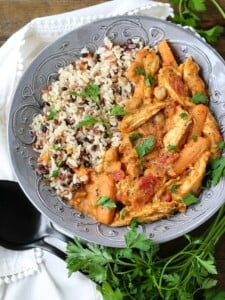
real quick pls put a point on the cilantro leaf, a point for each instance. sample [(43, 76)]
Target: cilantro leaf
[(118, 110), (199, 98), (87, 121), (144, 147), (106, 202)]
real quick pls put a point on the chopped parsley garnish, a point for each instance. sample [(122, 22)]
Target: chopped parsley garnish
[(106, 202), (123, 213), (52, 113), (183, 116), (174, 189), (199, 98), (173, 212), (56, 147), (149, 81), (118, 110), (190, 199), (215, 170), (87, 121), (171, 148), (91, 92), (194, 138), (139, 71), (144, 147), (135, 136), (55, 173)]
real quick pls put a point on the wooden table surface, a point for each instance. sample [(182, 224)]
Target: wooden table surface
[(16, 13)]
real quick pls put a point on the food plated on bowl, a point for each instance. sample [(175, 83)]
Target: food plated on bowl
[(120, 125)]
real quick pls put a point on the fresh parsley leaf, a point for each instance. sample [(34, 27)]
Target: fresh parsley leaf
[(56, 147), (144, 147), (172, 279), (109, 293), (135, 239), (183, 116), (187, 14), (139, 70), (87, 121), (135, 136), (123, 213), (92, 92), (198, 5), (55, 173), (52, 113), (209, 283), (190, 199), (208, 265), (171, 148), (118, 110), (199, 98), (216, 170), (149, 81), (173, 212), (211, 35), (138, 271), (194, 138), (106, 202), (213, 293), (174, 189), (221, 145)]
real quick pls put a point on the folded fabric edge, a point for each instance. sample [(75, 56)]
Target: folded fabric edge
[(10, 276)]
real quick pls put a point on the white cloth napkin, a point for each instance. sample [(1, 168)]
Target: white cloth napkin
[(35, 274)]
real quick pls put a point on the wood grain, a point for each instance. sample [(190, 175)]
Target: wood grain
[(16, 13)]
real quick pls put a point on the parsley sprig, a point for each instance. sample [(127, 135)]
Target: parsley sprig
[(139, 271), (187, 14), (149, 80), (106, 202), (92, 92), (144, 147)]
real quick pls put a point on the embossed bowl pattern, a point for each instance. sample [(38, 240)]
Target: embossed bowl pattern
[(27, 103)]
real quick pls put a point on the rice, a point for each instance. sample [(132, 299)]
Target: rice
[(84, 93)]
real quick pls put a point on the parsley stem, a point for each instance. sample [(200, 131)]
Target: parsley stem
[(219, 8)]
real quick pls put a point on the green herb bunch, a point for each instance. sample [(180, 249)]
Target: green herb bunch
[(188, 14), (138, 271)]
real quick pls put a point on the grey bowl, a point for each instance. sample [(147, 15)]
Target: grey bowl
[(27, 103)]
